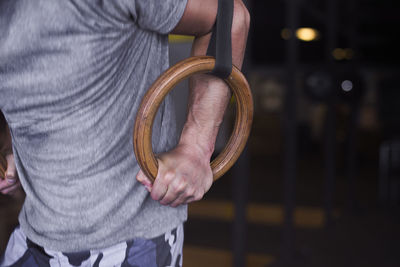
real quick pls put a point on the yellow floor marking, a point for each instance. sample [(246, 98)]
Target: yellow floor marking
[(270, 214), (194, 256)]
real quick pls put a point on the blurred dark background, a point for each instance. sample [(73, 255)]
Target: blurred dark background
[(319, 182)]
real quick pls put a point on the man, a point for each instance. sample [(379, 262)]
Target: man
[(72, 74)]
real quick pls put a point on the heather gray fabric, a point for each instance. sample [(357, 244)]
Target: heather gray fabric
[(72, 74)]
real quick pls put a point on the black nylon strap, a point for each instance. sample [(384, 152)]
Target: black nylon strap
[(220, 45)]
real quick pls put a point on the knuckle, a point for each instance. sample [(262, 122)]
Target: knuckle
[(176, 203), (169, 175), (164, 202), (175, 186), (189, 193), (154, 195), (181, 186), (198, 196)]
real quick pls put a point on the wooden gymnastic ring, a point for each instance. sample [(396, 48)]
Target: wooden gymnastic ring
[(142, 135), (3, 165)]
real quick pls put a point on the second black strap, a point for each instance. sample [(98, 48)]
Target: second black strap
[(220, 45)]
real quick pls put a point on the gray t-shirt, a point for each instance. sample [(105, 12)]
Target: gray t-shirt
[(72, 75)]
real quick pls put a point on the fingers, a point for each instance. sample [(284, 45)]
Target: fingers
[(174, 190), (9, 184), (182, 178), (11, 172), (182, 200), (161, 186), (140, 177)]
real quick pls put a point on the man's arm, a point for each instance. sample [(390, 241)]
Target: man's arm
[(9, 182), (184, 174)]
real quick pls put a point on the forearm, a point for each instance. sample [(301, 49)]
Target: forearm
[(184, 173), (207, 102), (210, 95)]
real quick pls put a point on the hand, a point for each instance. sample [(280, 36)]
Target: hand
[(9, 181), (184, 175)]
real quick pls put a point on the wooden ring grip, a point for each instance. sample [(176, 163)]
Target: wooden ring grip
[(3, 165), (142, 135)]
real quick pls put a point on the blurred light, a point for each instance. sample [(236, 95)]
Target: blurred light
[(347, 85), (272, 104), (349, 53), (272, 95), (339, 54), (307, 34), (319, 86), (286, 34), (343, 53)]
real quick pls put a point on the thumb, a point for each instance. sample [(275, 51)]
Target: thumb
[(142, 178), (11, 172)]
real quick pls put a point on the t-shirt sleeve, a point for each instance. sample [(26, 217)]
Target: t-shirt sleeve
[(160, 16)]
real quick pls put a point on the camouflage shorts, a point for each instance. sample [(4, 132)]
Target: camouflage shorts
[(165, 250)]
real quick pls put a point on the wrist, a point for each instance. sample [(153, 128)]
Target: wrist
[(200, 140), (194, 153)]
